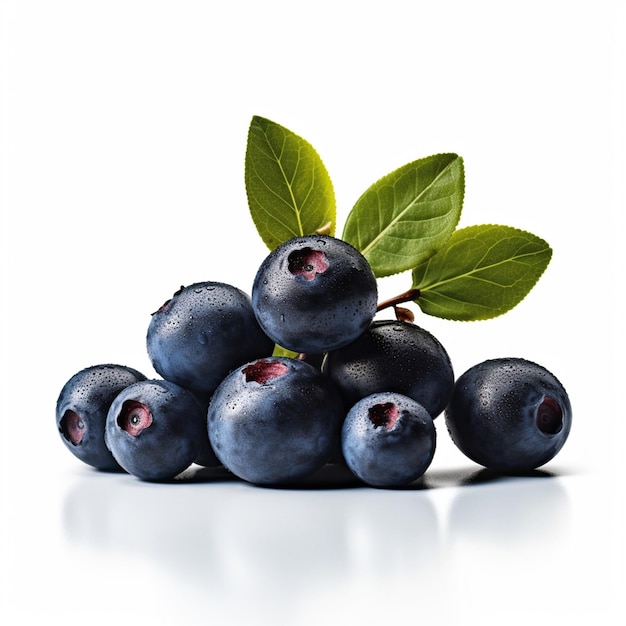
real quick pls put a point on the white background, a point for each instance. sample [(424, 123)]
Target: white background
[(123, 133)]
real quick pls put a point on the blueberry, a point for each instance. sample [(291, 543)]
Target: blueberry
[(393, 356), (509, 415), (315, 293), (275, 420), (202, 333), (82, 407), (154, 429), (388, 440), (206, 456)]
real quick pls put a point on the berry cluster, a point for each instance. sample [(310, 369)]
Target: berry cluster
[(275, 385)]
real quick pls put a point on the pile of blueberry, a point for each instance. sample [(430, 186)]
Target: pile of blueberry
[(352, 389)]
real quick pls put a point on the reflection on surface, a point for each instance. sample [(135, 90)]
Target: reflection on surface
[(505, 539), (511, 510), (220, 537), (217, 540)]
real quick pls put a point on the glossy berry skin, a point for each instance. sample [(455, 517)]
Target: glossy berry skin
[(154, 429), (275, 421), (203, 332), (509, 415), (388, 440), (315, 293), (82, 407), (393, 356), (206, 456)]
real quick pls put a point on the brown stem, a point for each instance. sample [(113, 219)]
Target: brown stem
[(407, 296)]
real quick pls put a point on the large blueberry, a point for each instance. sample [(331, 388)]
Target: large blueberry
[(202, 333), (393, 356), (275, 420), (509, 414), (388, 440), (154, 429), (315, 293), (82, 407)]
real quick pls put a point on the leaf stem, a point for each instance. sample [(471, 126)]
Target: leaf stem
[(406, 296)]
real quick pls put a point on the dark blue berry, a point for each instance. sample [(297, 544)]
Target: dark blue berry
[(206, 456), (509, 415), (393, 356), (82, 407), (315, 293), (154, 429), (275, 420), (202, 333), (388, 440)]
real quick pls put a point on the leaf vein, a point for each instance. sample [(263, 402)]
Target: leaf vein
[(397, 216), (470, 273)]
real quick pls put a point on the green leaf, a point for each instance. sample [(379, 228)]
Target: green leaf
[(280, 351), (482, 272), (406, 216), (290, 193)]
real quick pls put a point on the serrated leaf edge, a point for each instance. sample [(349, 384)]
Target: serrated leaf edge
[(294, 205), (453, 318), (391, 174)]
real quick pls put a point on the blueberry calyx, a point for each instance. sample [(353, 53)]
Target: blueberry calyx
[(262, 371), (384, 415), (549, 418), (134, 417), (307, 263), (164, 305), (73, 427)]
